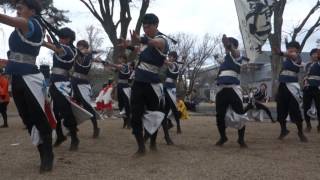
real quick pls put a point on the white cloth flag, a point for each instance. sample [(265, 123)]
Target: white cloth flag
[(255, 24)]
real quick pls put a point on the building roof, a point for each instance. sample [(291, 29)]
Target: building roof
[(265, 57)]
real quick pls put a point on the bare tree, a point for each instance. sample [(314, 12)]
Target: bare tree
[(94, 37), (310, 30), (183, 48), (194, 53), (104, 10)]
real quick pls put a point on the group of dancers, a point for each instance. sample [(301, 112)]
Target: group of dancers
[(293, 104), (65, 101), (146, 103)]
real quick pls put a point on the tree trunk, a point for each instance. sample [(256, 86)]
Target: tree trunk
[(275, 43)]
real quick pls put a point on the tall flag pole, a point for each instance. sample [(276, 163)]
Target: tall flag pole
[(254, 18)]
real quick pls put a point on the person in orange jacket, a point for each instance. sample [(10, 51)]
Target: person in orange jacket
[(4, 98)]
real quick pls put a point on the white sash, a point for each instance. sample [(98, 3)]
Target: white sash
[(232, 119), (85, 91), (37, 86), (256, 115), (296, 92), (152, 119), (79, 113), (64, 87), (127, 92), (173, 97), (312, 112)]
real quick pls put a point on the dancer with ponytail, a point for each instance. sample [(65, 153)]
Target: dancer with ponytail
[(80, 82), (27, 83), (60, 88)]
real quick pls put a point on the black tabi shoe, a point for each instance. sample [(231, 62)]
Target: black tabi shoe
[(96, 133), (153, 146), (74, 141), (308, 129), (48, 163), (283, 134), (302, 137), (4, 126), (242, 144), (141, 147), (46, 155), (221, 141), (74, 146), (168, 141), (59, 141)]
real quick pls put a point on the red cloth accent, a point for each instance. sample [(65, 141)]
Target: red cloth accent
[(51, 119), (101, 106), (4, 89)]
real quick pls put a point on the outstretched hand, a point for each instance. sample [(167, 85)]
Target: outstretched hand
[(123, 43), (135, 37)]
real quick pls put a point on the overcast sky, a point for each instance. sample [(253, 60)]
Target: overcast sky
[(196, 17)]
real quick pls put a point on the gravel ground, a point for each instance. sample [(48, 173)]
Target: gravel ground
[(193, 156)]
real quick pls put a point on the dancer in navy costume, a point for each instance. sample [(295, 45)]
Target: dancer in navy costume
[(311, 91), (228, 76), (256, 101), (170, 102), (289, 95), (124, 73), (143, 95), (82, 66), (170, 85), (60, 88), (24, 43)]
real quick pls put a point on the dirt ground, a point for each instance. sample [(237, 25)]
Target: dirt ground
[(193, 156)]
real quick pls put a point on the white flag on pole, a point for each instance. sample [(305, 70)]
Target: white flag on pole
[(255, 24)]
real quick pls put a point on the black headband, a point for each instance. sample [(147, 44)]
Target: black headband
[(32, 4), (150, 19)]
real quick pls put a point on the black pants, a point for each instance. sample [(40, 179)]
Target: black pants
[(3, 111), (311, 94), (143, 98), (225, 98), (288, 105), (29, 109), (80, 99), (62, 109), (258, 106), (123, 102), (170, 105)]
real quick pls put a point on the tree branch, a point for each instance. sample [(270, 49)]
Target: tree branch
[(143, 10), (92, 10), (112, 7), (298, 29), (125, 17), (310, 32)]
